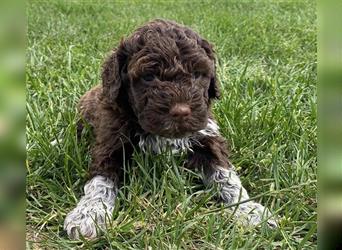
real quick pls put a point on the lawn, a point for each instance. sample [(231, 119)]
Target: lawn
[(267, 70)]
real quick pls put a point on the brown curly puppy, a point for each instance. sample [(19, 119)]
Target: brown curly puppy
[(157, 86)]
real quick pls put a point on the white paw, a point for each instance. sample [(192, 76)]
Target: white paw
[(231, 191), (94, 209), (87, 221), (254, 213)]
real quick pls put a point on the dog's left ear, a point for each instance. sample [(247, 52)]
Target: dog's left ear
[(214, 90)]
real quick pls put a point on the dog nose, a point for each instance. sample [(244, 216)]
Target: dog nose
[(180, 110)]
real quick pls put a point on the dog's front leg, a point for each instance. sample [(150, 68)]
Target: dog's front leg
[(210, 155), (93, 210), (96, 206)]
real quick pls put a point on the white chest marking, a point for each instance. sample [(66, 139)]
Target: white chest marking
[(211, 130), (158, 144)]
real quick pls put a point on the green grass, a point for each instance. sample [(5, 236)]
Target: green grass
[(267, 69)]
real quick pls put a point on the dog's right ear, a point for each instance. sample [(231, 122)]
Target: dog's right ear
[(214, 90), (112, 75)]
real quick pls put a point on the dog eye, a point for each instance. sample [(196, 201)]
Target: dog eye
[(148, 77), (196, 74)]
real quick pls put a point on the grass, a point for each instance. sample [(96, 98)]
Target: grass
[(267, 69)]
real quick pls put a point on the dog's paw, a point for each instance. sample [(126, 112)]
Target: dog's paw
[(254, 214), (89, 217), (232, 192)]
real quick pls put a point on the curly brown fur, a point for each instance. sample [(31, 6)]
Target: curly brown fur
[(182, 67), (157, 87)]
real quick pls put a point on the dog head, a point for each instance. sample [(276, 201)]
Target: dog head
[(165, 74)]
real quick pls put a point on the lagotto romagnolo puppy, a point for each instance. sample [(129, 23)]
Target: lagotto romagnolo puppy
[(156, 91)]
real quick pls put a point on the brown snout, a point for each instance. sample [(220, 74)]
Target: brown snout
[(180, 110)]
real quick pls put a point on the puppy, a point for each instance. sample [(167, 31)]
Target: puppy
[(156, 91)]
